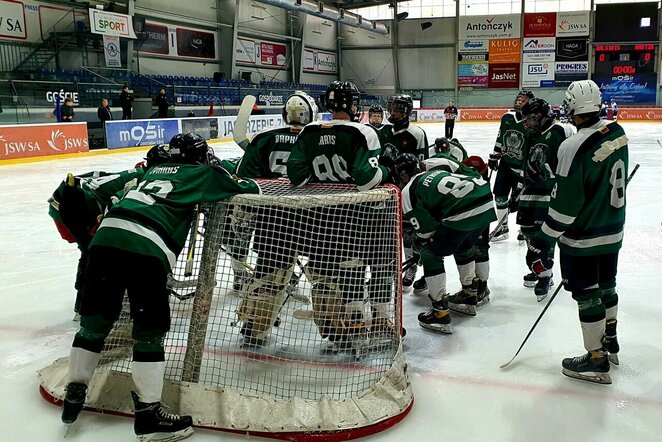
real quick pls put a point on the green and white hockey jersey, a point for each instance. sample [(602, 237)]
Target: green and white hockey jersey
[(336, 151), (410, 139), (587, 207), (457, 150), (267, 154), (543, 150), (511, 142), (154, 219), (383, 132), (97, 189), (440, 198)]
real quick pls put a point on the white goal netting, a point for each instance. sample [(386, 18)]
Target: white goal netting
[(286, 318)]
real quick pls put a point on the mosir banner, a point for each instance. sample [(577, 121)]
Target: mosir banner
[(38, 140)]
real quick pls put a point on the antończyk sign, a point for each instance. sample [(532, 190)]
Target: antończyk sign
[(111, 23), (489, 26)]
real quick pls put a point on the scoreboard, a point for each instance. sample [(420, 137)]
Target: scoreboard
[(615, 59)]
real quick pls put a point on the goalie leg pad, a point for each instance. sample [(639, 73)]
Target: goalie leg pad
[(265, 298), (326, 297)]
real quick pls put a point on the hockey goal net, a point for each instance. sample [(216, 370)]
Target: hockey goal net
[(287, 324)]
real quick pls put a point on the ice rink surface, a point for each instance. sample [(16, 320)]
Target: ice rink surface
[(460, 392)]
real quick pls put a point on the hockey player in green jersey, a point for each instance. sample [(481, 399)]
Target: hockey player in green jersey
[(507, 159), (406, 138), (340, 151), (133, 250), (80, 200), (586, 216), (376, 121), (450, 211), (266, 157), (539, 165), (452, 147), (473, 167)]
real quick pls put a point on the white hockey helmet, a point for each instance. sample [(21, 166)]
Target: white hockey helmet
[(582, 97), (299, 109)]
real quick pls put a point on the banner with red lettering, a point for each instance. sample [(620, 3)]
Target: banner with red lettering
[(38, 140)]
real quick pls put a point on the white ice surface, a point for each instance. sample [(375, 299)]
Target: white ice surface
[(460, 392)]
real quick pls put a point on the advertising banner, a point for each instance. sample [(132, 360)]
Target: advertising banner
[(567, 72), (272, 99), (111, 23), (502, 76), (539, 24), (572, 24), (153, 39), (12, 20), (473, 46), (628, 89), (538, 49), (538, 75), (572, 49), (38, 140), (269, 54), (489, 26), (131, 133), (197, 44), (482, 114), (207, 128), (273, 54), (505, 50), (640, 114), (472, 73), (111, 51), (318, 61)]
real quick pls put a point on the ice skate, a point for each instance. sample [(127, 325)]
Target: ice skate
[(531, 279), (591, 367), (610, 343), (482, 292), (464, 301), (153, 423), (542, 287), (74, 399), (500, 233), (421, 287), (437, 319), (408, 277), (520, 237)]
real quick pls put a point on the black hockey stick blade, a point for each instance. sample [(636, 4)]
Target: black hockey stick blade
[(556, 292), (411, 262)]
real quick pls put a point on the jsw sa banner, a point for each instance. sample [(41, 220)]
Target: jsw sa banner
[(39, 140)]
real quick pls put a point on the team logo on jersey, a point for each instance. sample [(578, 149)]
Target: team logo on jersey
[(513, 141)]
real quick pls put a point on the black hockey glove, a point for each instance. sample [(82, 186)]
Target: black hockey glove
[(387, 159), (493, 161), (537, 257), (534, 173)]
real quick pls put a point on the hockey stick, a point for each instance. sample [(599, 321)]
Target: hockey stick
[(241, 123), (556, 292), (636, 167), (411, 262), (496, 229), (193, 237), (659, 143)]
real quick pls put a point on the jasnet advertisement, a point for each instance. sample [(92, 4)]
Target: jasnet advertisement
[(38, 140)]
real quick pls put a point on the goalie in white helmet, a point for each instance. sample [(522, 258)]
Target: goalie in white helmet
[(266, 157)]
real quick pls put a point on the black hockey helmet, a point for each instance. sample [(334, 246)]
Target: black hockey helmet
[(156, 155), (406, 166), (400, 103), (343, 96), (522, 97), (442, 145), (189, 148), (534, 111), (375, 109)]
